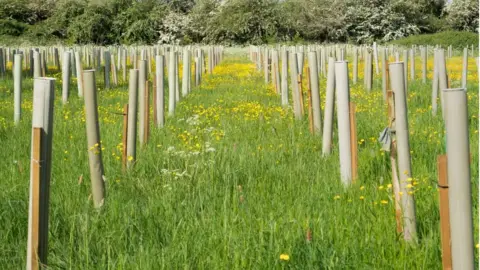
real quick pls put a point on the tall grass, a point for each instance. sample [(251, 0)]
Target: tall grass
[(231, 188)]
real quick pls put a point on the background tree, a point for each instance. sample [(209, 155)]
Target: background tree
[(463, 15), (231, 21)]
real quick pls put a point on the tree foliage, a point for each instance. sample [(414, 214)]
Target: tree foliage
[(463, 15), (232, 21)]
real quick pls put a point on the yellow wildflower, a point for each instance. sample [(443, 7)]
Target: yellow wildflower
[(284, 257)]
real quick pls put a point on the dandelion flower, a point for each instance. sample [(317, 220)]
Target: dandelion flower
[(284, 257), (130, 158), (362, 198)]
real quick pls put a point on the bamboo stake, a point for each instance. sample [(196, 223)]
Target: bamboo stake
[(444, 212)]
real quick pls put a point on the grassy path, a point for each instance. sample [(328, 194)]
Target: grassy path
[(231, 182)]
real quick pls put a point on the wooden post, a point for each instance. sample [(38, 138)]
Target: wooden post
[(125, 137), (147, 112), (353, 142), (310, 113), (40, 173), (444, 212), (36, 179)]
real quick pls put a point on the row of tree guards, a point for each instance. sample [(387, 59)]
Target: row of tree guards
[(330, 62), (139, 81), (70, 62)]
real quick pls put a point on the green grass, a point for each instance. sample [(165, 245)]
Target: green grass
[(457, 39), (238, 207)]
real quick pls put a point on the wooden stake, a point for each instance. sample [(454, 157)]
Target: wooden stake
[(36, 215), (147, 112), (310, 112), (353, 142), (444, 212), (125, 137)]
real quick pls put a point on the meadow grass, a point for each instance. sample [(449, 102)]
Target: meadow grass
[(231, 182)]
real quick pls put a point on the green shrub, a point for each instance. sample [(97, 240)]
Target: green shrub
[(455, 38), (11, 27), (93, 26)]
